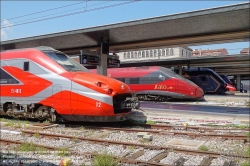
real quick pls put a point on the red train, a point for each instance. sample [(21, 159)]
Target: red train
[(156, 83), (46, 84)]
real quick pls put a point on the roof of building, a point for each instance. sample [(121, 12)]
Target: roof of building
[(247, 50)]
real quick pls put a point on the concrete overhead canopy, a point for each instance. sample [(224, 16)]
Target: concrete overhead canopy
[(213, 25), (228, 64)]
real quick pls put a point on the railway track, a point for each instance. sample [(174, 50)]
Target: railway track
[(133, 158), (179, 150), (182, 130)]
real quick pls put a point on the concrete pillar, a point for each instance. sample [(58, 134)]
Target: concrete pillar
[(180, 70), (188, 65), (238, 82), (102, 69)]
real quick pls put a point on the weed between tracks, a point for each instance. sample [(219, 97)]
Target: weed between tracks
[(63, 152), (104, 160), (246, 163), (151, 122), (203, 148), (30, 147)]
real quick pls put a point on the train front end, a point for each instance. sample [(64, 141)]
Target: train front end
[(101, 99), (230, 89)]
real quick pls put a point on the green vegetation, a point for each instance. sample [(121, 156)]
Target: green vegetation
[(75, 140), (14, 123), (36, 135), (151, 122), (143, 141), (131, 147), (82, 128), (26, 147), (4, 120), (9, 123), (63, 152), (248, 151), (240, 126), (248, 136), (246, 163), (104, 160), (46, 122), (203, 148), (18, 125)]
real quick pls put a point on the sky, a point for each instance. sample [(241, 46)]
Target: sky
[(16, 14)]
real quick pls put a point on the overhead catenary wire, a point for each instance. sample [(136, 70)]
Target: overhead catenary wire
[(85, 11), (43, 11), (82, 8)]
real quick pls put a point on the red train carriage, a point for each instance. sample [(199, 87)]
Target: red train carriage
[(44, 83), (156, 83)]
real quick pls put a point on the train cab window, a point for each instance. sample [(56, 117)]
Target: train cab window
[(161, 77), (203, 78), (66, 62), (26, 66), (134, 80)]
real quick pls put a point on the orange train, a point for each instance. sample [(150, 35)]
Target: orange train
[(46, 84)]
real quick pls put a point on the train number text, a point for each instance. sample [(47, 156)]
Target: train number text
[(16, 90), (98, 104)]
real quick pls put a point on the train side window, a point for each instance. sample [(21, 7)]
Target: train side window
[(134, 80), (121, 79), (26, 66), (203, 78)]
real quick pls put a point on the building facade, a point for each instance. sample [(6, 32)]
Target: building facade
[(161, 53), (208, 52)]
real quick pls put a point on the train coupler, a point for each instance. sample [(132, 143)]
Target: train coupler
[(132, 102)]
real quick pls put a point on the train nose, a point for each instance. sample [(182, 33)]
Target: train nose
[(199, 93)]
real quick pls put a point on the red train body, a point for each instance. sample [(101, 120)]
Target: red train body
[(44, 83), (156, 83)]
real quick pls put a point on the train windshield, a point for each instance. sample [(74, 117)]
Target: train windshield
[(173, 74), (225, 78), (66, 62)]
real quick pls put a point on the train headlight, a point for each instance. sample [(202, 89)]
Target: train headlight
[(99, 84), (110, 91)]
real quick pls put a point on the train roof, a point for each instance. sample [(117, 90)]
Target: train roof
[(142, 68), (40, 48), (198, 69)]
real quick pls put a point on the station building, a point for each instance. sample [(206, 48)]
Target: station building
[(159, 53)]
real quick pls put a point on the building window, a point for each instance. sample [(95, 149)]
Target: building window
[(132, 54), (143, 54), (151, 53), (125, 55), (167, 52), (136, 56), (163, 52), (159, 53), (182, 51), (171, 52), (147, 53), (155, 53), (128, 55)]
